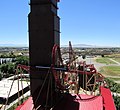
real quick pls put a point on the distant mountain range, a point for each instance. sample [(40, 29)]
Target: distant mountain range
[(74, 45), (78, 45), (13, 45), (87, 46)]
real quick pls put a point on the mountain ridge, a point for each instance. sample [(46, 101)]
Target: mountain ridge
[(88, 46), (13, 45)]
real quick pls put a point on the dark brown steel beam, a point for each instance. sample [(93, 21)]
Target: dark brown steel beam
[(44, 32)]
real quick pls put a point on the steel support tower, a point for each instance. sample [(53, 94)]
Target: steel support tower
[(44, 32)]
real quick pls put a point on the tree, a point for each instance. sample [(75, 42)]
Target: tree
[(114, 87), (11, 68), (83, 56), (117, 101), (4, 68), (24, 60), (4, 55), (7, 69), (11, 55), (102, 55), (0, 76)]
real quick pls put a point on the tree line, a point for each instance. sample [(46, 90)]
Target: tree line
[(8, 68), (115, 88)]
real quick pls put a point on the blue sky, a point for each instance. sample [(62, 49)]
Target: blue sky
[(94, 22), (13, 22)]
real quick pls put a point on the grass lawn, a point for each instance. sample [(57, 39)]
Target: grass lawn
[(110, 70), (117, 59), (115, 79), (105, 61), (113, 55)]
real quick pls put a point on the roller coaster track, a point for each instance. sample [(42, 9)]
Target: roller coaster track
[(91, 83)]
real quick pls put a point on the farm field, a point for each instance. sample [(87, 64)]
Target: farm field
[(115, 57), (111, 69), (105, 60)]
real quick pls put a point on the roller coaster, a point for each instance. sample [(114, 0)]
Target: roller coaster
[(54, 83), (79, 85)]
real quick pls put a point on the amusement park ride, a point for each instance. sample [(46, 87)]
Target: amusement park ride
[(55, 85)]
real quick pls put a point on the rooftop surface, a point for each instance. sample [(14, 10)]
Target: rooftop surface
[(5, 86)]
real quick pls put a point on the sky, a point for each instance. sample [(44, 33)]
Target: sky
[(91, 22)]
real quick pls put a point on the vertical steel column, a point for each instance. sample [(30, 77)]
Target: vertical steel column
[(44, 32)]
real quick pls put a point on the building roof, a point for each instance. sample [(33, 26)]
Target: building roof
[(107, 99), (79, 102), (87, 103), (5, 86), (27, 105)]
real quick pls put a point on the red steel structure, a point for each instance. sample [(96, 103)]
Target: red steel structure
[(102, 101), (53, 84)]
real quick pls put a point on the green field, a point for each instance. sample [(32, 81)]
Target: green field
[(105, 60), (117, 59), (114, 79), (113, 55), (110, 71)]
